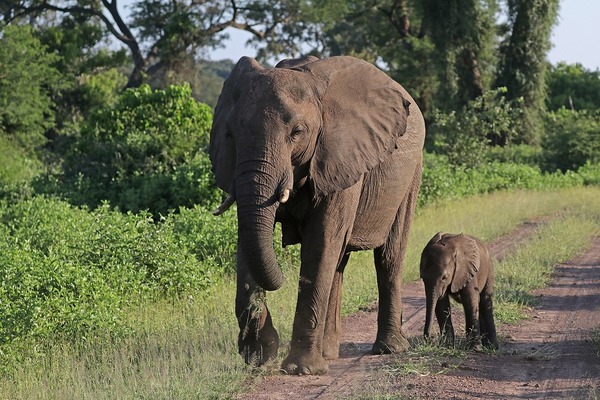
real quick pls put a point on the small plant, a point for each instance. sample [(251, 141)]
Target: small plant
[(543, 353), (427, 357)]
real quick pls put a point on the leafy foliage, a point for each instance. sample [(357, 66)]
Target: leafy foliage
[(146, 152), (442, 180), (573, 87), (523, 65), (465, 136), (463, 37), (68, 272), (572, 139), (26, 78)]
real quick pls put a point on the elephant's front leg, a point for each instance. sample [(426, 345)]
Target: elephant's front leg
[(323, 249), (443, 315), (470, 302), (258, 341)]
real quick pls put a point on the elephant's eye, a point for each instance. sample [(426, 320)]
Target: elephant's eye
[(297, 131)]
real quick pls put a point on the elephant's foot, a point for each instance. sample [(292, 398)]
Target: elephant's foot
[(391, 344), (259, 348), (490, 344), (305, 364)]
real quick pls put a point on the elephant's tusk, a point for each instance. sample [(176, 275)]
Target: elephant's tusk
[(224, 205), (285, 196)]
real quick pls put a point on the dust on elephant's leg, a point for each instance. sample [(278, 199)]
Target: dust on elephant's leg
[(306, 347), (333, 323), (390, 338), (324, 242)]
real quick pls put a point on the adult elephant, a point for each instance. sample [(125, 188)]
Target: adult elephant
[(331, 149)]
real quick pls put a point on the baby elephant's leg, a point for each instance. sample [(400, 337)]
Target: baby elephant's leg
[(486, 320)]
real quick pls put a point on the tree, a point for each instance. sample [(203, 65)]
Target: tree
[(89, 74), (159, 33), (27, 78), (573, 87), (463, 35), (441, 52), (523, 63)]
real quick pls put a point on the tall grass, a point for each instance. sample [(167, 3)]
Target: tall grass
[(187, 349), (531, 265), (182, 351)]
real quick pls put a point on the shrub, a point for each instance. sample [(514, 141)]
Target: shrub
[(572, 139), (465, 136), (146, 152), (590, 173), (516, 153), (16, 165), (441, 180), (66, 271)]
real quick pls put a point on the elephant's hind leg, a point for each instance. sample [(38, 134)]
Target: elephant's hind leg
[(389, 260), (486, 320)]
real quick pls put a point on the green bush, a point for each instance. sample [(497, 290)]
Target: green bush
[(572, 139), (67, 272), (16, 166), (146, 152), (590, 173), (516, 154), (442, 180), (465, 136)]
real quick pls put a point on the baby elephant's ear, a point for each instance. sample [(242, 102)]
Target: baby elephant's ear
[(466, 259)]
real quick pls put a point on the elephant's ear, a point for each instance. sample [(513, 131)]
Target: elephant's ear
[(222, 146), (364, 114), (436, 238), (466, 258), (291, 63)]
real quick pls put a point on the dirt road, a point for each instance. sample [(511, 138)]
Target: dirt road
[(548, 356)]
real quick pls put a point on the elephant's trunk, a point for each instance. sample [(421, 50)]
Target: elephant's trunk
[(431, 301), (257, 205)]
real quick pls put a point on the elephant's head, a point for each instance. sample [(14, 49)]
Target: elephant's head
[(322, 123), (448, 262)]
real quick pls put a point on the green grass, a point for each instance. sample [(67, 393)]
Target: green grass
[(187, 349), (531, 265)]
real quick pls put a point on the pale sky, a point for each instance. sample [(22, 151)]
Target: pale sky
[(576, 38)]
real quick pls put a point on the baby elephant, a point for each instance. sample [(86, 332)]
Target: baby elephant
[(459, 266)]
